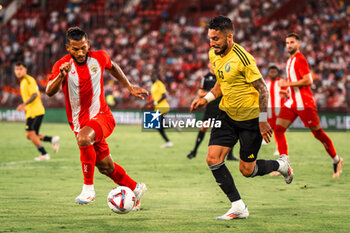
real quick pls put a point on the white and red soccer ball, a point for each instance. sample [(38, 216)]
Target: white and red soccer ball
[(121, 200)]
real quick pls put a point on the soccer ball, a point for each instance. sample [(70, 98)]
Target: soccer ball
[(121, 200)]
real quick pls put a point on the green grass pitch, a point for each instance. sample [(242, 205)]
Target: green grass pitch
[(182, 194)]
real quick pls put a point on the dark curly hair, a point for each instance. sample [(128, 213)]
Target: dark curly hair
[(221, 23), (75, 33)]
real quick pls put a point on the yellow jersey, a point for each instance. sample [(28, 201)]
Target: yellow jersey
[(28, 87), (157, 90), (235, 73)]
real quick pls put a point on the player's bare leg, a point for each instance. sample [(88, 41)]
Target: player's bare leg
[(33, 137), (320, 135), (230, 156)]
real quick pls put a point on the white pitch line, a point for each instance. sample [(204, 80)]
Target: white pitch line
[(11, 165), (29, 161), (37, 168)]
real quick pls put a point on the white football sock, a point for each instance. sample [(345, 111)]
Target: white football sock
[(335, 159), (238, 205), (88, 187)]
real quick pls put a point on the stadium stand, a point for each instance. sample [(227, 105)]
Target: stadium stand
[(170, 37)]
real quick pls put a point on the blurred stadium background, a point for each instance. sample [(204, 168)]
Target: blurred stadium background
[(170, 37)]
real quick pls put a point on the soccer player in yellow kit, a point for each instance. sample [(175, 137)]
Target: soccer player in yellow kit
[(158, 92), (243, 116), (34, 111)]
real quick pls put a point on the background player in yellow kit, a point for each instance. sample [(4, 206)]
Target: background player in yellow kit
[(34, 111), (160, 103)]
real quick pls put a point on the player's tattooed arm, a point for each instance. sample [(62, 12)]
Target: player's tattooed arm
[(117, 73), (31, 98), (261, 87), (216, 90), (265, 129), (22, 106)]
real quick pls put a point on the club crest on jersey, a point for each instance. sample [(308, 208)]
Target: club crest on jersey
[(94, 69), (227, 67)]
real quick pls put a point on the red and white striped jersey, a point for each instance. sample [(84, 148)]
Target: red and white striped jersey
[(83, 88), (300, 97), (275, 101)]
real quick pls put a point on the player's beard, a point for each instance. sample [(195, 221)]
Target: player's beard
[(223, 50), (292, 52), (80, 63)]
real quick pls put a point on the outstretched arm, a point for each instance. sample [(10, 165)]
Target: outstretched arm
[(117, 73), (214, 93), (265, 128)]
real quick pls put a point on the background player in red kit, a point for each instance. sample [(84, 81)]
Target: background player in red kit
[(80, 73), (301, 103), (277, 97)]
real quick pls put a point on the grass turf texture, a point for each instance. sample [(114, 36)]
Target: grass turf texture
[(182, 194)]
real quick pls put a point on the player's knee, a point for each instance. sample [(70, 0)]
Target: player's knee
[(83, 140), (246, 170), (29, 135), (212, 159)]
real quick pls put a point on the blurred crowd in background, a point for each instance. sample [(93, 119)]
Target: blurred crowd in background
[(169, 38)]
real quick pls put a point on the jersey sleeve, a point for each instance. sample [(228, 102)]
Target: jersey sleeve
[(302, 66), (55, 70), (32, 87), (252, 72), (106, 59)]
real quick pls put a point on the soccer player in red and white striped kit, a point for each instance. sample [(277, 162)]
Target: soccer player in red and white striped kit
[(301, 103), (277, 97), (80, 73)]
